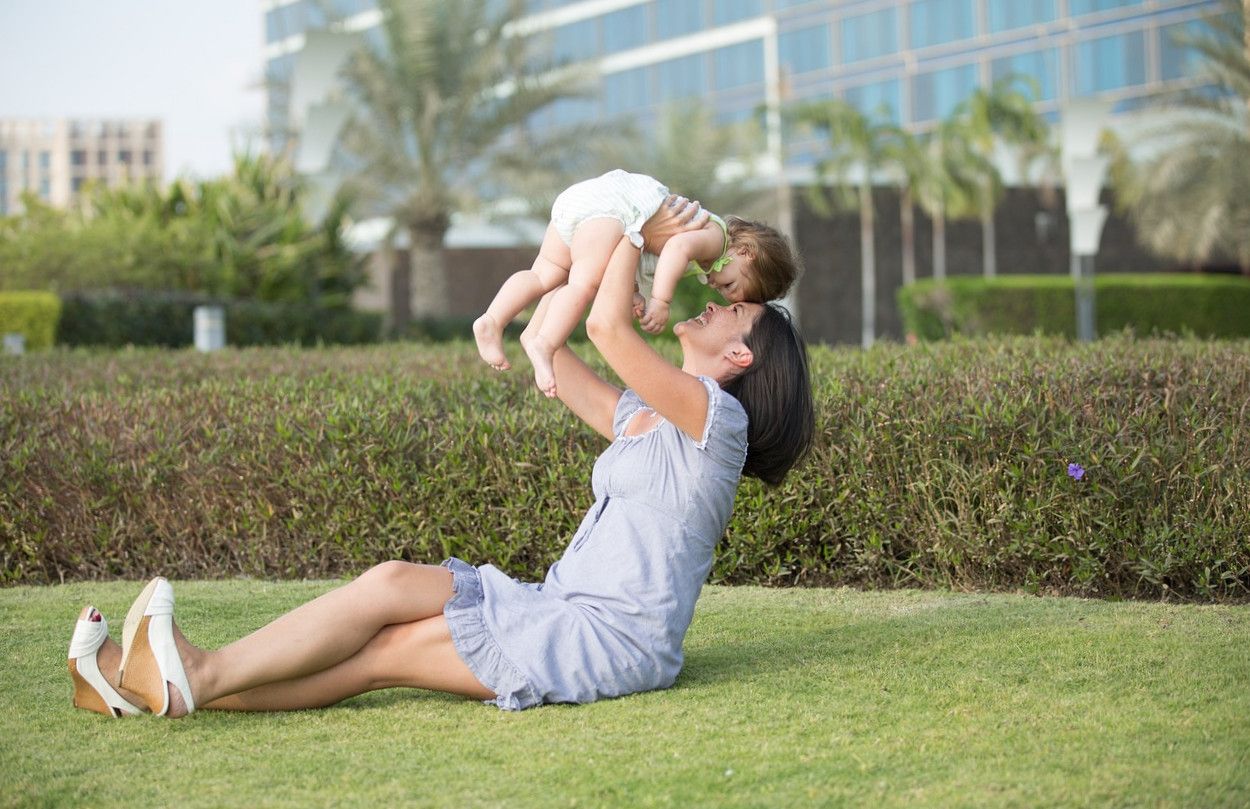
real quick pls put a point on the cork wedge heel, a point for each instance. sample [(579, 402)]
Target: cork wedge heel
[(150, 659), (92, 692)]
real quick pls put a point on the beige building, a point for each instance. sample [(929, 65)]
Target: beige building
[(54, 158)]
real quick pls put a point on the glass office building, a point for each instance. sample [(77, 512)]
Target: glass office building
[(913, 60)]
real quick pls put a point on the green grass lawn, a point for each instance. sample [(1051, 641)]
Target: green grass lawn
[(789, 697)]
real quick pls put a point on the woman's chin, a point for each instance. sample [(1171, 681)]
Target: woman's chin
[(680, 328)]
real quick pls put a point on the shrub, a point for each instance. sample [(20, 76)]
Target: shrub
[(33, 315), (1204, 305), (166, 319), (937, 466)]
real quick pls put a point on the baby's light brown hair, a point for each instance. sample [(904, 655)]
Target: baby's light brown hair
[(774, 266)]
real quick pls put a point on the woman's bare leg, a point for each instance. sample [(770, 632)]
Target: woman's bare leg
[(418, 654), (550, 270), (320, 634), (593, 245)]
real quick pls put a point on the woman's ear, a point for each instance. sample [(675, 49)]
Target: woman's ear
[(739, 355)]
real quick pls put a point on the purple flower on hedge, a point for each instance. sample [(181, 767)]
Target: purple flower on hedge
[(1076, 471)]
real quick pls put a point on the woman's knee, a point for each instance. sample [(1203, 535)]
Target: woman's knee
[(412, 589)]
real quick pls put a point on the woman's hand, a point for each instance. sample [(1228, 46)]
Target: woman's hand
[(676, 215)]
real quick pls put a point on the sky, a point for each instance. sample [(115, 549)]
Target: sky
[(194, 64)]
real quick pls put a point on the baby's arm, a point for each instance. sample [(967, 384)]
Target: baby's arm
[(700, 245)]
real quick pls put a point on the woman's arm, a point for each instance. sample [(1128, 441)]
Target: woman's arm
[(674, 394), (589, 396)]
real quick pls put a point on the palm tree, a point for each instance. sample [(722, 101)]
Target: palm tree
[(858, 147), (945, 187), (446, 99), (1001, 114), (1192, 200), (910, 163)]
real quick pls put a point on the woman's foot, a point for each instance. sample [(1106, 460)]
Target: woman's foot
[(155, 655), (542, 358), (93, 666), (489, 337)]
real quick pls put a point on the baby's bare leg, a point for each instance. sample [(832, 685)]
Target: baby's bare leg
[(549, 271), (592, 247)]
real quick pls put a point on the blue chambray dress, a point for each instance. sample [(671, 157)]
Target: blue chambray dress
[(610, 616)]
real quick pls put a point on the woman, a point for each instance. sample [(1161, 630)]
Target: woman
[(610, 617)]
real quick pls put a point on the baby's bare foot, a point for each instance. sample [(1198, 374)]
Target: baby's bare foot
[(541, 356), (489, 338)]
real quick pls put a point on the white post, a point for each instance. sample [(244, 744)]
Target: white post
[(1084, 171), (210, 328), (14, 344)]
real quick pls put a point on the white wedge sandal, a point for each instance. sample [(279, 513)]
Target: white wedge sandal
[(150, 659), (92, 691)]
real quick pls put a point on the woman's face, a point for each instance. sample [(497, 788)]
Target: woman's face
[(717, 327)]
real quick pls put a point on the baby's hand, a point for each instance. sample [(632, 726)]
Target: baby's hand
[(640, 306), (656, 316)]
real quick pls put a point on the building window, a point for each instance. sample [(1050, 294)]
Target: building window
[(805, 49), (1007, 14), (934, 22), (727, 11), (1110, 62), (867, 36), (123, 157), (1178, 60), (75, 184), (102, 158), (570, 111), (1076, 7), (625, 29), (45, 189), (935, 95), (1041, 66), (674, 18), (680, 78), (284, 21), (883, 99), (4, 161), (576, 42), (78, 157), (625, 92), (739, 65), (45, 160), (147, 157)]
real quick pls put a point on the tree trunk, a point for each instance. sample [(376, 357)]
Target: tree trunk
[(907, 223), (989, 255), (939, 246), (400, 290), (867, 266), (428, 276)]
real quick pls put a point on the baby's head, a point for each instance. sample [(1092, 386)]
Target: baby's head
[(763, 265)]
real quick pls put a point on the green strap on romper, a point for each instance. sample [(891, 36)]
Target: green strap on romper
[(693, 267)]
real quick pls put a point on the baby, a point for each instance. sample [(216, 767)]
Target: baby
[(743, 261)]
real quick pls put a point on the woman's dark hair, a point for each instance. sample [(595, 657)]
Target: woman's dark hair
[(776, 392)]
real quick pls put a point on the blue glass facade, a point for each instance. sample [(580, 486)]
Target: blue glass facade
[(805, 49), (914, 59), (935, 22), (866, 36)]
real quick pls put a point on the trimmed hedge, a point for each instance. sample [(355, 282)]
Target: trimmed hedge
[(118, 319), (943, 465), (1157, 303), (33, 315)]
